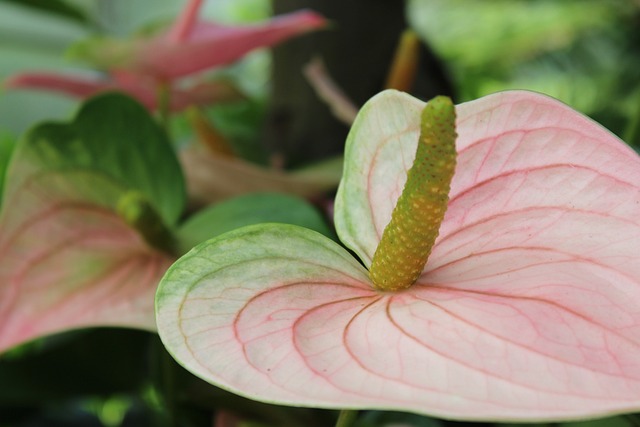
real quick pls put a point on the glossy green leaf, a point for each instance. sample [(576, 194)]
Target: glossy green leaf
[(55, 7), (116, 137), (248, 210), (6, 148)]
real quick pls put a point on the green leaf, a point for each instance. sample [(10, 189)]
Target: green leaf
[(395, 419), (6, 148), (116, 137), (241, 123), (248, 210), (70, 370), (56, 7), (102, 52), (620, 421), (482, 37)]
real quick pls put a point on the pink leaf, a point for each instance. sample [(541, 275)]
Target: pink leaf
[(142, 89), (210, 45), (76, 86), (528, 308), (184, 24), (67, 261), (139, 66)]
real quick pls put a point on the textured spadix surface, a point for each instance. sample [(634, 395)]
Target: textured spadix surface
[(527, 309)]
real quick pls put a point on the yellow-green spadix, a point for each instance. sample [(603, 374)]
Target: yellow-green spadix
[(408, 238)]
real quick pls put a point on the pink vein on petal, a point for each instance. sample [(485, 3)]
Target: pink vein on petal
[(113, 276), (31, 222), (513, 229)]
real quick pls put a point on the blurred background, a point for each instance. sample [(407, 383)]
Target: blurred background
[(583, 52)]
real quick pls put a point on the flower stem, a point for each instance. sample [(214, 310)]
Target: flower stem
[(632, 132), (404, 67), (346, 418), (134, 208), (168, 386), (164, 104), (185, 23)]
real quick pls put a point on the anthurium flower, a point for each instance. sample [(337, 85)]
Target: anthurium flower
[(192, 46), (89, 222), (527, 308), (142, 65)]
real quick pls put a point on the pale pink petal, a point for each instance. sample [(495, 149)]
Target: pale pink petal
[(233, 321), (280, 314), (68, 262), (517, 133), (528, 308), (212, 45), (380, 149), (531, 292)]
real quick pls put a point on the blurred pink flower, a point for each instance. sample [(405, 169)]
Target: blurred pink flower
[(144, 90), (140, 67)]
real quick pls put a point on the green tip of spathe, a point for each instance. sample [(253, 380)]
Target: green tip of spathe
[(132, 207), (409, 237), (136, 210)]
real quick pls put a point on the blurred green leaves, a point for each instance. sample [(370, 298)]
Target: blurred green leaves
[(583, 52), (54, 7), (248, 210), (6, 148), (115, 137), (506, 33), (395, 419)]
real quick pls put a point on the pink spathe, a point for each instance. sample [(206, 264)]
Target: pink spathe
[(142, 66), (528, 308)]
